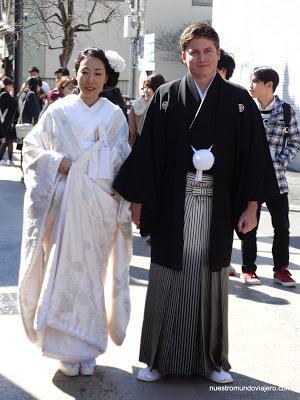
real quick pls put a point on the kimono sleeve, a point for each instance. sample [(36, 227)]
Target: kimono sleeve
[(139, 179), (256, 175), (41, 155)]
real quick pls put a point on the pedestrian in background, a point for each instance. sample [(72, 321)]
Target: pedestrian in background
[(60, 72), (139, 105), (34, 72), (8, 110), (195, 173), (64, 87), (284, 142), (29, 102), (226, 65), (74, 222)]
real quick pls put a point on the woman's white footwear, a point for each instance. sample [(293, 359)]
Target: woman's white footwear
[(87, 367), (220, 377), (69, 369), (147, 375)]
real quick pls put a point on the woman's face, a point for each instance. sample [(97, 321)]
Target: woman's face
[(68, 89), (148, 93), (91, 77)]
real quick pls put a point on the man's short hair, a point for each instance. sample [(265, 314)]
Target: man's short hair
[(226, 62), (63, 71), (34, 69), (198, 30), (266, 74)]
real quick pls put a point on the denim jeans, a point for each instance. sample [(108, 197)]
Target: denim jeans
[(279, 210)]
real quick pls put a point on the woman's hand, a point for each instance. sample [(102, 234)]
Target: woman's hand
[(248, 219), (65, 166), (136, 209)]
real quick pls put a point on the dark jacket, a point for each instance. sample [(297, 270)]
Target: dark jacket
[(32, 107), (155, 172), (8, 107), (115, 96)]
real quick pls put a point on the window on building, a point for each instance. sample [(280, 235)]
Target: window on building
[(202, 2)]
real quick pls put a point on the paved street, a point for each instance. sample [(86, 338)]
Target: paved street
[(264, 323)]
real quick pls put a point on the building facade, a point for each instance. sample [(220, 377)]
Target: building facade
[(156, 17)]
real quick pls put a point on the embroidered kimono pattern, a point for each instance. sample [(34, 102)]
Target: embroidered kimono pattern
[(75, 231)]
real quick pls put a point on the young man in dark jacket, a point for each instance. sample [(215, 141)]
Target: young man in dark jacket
[(284, 143)]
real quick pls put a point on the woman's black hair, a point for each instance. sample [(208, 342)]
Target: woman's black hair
[(112, 75), (32, 84), (154, 81)]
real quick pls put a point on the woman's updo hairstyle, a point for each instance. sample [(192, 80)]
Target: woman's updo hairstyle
[(112, 75)]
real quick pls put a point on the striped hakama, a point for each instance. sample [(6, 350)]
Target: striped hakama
[(185, 328)]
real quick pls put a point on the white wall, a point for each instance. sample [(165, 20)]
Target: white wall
[(171, 15), (263, 32)]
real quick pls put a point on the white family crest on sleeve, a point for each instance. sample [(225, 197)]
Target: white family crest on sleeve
[(241, 107), (164, 105)]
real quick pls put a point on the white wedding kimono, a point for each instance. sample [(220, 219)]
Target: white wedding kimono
[(73, 229)]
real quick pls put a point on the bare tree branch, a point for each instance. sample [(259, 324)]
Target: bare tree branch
[(167, 43), (62, 19)]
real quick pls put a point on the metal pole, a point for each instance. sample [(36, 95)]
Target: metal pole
[(18, 47), (131, 82)]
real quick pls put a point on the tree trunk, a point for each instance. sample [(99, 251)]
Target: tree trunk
[(68, 46)]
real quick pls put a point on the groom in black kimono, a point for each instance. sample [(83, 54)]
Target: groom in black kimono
[(200, 110)]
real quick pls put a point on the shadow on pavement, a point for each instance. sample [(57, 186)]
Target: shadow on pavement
[(10, 391), (114, 384), (238, 289), (138, 273), (140, 248)]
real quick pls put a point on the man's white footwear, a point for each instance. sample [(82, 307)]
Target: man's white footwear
[(220, 377), (2, 162), (69, 369), (9, 163), (147, 375), (87, 367)]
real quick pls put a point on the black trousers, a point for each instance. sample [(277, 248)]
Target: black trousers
[(279, 210)]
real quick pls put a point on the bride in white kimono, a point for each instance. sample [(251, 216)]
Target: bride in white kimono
[(75, 226)]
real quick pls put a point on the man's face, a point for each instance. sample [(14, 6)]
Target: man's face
[(201, 57), (58, 75), (258, 89), (34, 74)]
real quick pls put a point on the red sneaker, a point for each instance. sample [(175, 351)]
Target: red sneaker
[(284, 277), (251, 278)]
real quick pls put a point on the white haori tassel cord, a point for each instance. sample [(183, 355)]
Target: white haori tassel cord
[(105, 170), (203, 160), (100, 166)]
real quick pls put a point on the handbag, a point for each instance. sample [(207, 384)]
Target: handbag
[(22, 129)]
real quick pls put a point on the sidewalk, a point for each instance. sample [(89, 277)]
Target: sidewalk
[(264, 324)]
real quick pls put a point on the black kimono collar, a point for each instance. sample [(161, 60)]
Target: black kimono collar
[(187, 84), (190, 98)]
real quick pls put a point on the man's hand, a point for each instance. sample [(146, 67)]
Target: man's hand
[(65, 166), (136, 209), (248, 219)]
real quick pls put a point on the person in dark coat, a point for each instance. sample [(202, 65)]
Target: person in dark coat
[(115, 96), (29, 102), (196, 173), (8, 109)]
